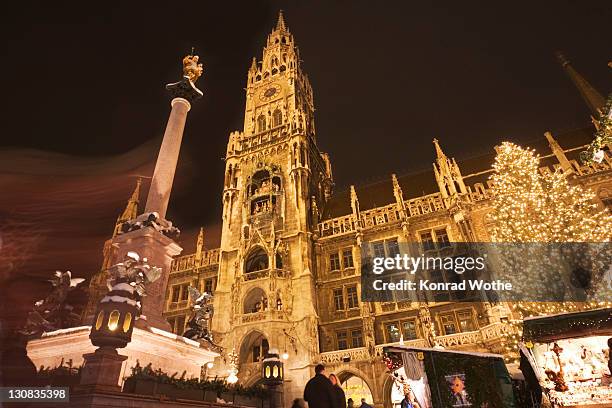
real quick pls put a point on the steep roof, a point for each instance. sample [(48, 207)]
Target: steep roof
[(416, 184)]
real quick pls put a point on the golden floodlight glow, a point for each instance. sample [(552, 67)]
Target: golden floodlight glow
[(232, 378)]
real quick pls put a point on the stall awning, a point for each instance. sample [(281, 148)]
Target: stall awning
[(545, 329)]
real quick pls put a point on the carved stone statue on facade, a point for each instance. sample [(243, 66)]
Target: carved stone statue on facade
[(191, 68), (429, 330), (53, 312)]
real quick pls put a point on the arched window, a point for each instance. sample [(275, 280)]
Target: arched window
[(261, 123), (256, 261), (255, 301), (260, 176), (254, 348), (276, 183), (277, 118)]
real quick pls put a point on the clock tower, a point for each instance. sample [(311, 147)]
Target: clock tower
[(276, 180)]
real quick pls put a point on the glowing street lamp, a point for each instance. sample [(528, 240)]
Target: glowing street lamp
[(118, 310), (272, 368)]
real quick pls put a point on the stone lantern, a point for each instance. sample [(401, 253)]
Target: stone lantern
[(272, 368), (114, 321), (273, 377)]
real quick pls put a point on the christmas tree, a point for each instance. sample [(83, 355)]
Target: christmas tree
[(538, 208), (529, 206)]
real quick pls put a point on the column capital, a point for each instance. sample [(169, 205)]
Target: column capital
[(181, 100), (184, 89)]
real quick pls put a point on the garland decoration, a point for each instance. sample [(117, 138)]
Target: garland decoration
[(216, 385)]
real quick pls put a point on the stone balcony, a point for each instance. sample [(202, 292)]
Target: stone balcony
[(265, 273), (263, 315), (353, 354), (485, 336), (191, 262), (476, 340), (362, 353)]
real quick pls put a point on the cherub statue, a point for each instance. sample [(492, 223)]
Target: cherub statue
[(202, 312), (53, 312), (133, 271), (191, 68)]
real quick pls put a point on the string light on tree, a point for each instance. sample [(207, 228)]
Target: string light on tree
[(232, 377), (530, 206)]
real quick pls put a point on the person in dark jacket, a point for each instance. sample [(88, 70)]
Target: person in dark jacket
[(338, 391), (364, 404), (319, 391)]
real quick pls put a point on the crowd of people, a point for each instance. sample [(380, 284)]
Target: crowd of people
[(324, 391)]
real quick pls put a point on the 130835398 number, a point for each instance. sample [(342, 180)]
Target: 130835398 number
[(33, 394)]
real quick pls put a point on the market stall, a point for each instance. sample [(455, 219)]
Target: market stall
[(569, 355), (438, 378)]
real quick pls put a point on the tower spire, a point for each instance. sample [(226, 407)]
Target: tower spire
[(199, 247), (131, 208), (280, 24), (593, 99), (439, 151)]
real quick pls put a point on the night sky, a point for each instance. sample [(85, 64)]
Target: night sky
[(84, 88)]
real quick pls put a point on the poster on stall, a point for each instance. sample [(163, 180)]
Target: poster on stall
[(456, 383)]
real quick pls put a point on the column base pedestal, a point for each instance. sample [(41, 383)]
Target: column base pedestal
[(159, 251), (102, 370)]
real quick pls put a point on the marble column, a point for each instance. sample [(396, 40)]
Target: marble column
[(183, 93), (151, 236)]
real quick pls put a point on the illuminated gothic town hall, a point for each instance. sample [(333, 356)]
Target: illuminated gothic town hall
[(286, 275)]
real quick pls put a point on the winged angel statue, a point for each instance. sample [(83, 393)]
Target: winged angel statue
[(53, 312), (202, 312)]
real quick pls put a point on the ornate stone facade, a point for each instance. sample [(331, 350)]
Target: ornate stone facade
[(287, 273)]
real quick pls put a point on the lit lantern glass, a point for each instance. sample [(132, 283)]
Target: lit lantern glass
[(127, 321), (113, 320), (114, 323), (99, 320), (272, 369)]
